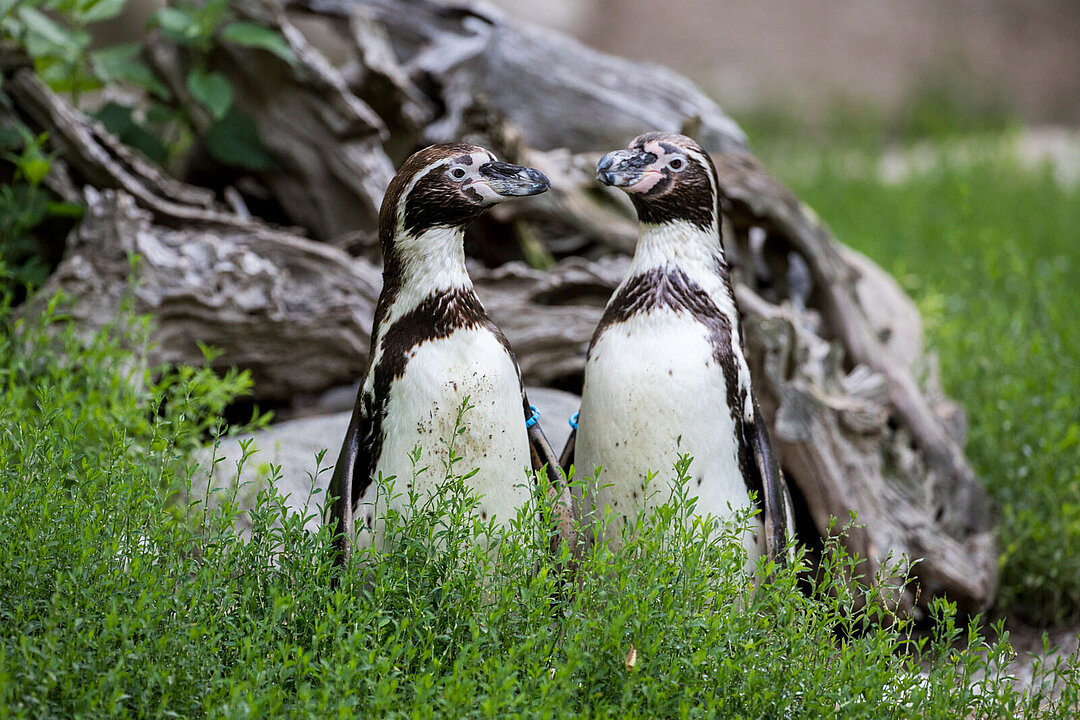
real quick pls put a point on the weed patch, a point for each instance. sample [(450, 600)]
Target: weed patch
[(116, 599)]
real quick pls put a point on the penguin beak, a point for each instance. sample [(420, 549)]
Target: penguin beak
[(514, 180), (624, 168)]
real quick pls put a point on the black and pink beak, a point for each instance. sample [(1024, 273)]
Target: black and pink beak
[(623, 168), (511, 180)]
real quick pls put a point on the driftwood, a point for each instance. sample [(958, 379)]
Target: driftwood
[(327, 141), (460, 50), (295, 312), (264, 296), (835, 345)]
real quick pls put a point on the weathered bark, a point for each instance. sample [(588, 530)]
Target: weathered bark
[(559, 92), (842, 447), (333, 168), (295, 312), (835, 345), (550, 316), (915, 492)]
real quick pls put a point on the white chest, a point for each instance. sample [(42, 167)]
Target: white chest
[(654, 390), (422, 414)]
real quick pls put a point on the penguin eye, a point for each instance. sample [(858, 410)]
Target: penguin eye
[(457, 173), (677, 164)]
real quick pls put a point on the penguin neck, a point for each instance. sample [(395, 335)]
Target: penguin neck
[(682, 245), (431, 262)]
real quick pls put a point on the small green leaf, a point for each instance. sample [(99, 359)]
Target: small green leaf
[(65, 209), (45, 37), (63, 76), (11, 27), (234, 140), (213, 90), (178, 26), (211, 15), (98, 10), (112, 58), (32, 163), (35, 170), (159, 114), (120, 63), (118, 120), (41, 24), (256, 36)]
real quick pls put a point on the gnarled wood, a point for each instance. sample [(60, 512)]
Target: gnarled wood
[(559, 92), (295, 312), (328, 142)]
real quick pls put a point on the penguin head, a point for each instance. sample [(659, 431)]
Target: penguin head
[(448, 185), (667, 176)]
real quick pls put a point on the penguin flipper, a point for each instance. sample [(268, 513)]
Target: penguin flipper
[(566, 459), (774, 496), (345, 487)]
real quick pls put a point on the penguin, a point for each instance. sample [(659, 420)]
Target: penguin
[(433, 346), (666, 371)]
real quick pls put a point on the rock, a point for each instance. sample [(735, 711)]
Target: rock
[(293, 446)]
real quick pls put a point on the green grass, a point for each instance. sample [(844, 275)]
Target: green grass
[(991, 252), (119, 599)]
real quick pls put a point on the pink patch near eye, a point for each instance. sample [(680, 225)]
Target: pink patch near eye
[(655, 148), (649, 178)]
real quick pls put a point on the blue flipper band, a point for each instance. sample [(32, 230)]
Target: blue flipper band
[(532, 418), (573, 420)]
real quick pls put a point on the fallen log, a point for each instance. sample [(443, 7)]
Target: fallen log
[(559, 92), (295, 312)]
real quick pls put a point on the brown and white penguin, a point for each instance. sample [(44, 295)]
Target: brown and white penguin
[(433, 345), (666, 373)]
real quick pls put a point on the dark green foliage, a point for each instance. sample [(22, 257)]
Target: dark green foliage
[(121, 64), (233, 140), (120, 121), (116, 598), (200, 25), (24, 206), (57, 35)]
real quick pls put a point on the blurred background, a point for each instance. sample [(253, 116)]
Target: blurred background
[(832, 62)]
